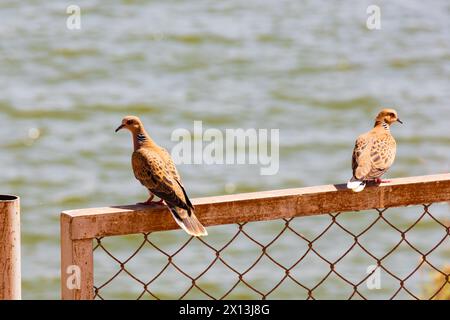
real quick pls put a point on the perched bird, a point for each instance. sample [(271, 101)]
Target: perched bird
[(374, 152), (154, 168)]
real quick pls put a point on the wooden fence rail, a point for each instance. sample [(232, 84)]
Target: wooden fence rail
[(80, 227)]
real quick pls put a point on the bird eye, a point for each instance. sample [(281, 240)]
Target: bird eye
[(129, 122)]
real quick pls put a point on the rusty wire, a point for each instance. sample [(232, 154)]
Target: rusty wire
[(217, 252)]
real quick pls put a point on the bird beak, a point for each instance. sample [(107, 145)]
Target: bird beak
[(120, 127), (398, 120)]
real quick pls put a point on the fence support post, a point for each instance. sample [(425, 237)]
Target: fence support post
[(77, 264), (10, 278)]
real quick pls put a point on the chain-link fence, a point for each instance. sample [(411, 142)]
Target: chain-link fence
[(322, 242), (347, 256)]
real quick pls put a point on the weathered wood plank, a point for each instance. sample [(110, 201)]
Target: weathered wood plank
[(257, 206)]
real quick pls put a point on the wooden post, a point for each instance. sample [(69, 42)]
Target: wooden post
[(77, 264), (10, 280)]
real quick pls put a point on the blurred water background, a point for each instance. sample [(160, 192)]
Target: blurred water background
[(310, 68)]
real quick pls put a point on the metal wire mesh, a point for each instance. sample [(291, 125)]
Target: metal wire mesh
[(304, 248)]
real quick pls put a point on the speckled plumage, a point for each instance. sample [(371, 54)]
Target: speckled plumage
[(373, 155), (154, 168), (374, 151)]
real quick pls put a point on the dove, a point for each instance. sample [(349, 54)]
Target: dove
[(374, 152), (155, 170)]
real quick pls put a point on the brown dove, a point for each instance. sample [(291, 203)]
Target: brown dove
[(374, 152), (154, 168)]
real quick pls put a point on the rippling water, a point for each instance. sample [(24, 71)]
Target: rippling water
[(309, 68)]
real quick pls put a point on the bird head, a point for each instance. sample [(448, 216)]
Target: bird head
[(131, 123), (388, 116)]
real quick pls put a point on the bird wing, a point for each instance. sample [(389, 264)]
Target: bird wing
[(154, 173), (382, 155), (165, 155), (361, 163), (373, 155), (174, 172)]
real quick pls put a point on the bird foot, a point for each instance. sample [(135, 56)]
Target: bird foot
[(149, 202), (378, 181)]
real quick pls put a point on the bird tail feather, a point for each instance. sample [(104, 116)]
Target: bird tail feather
[(356, 185), (189, 223)]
